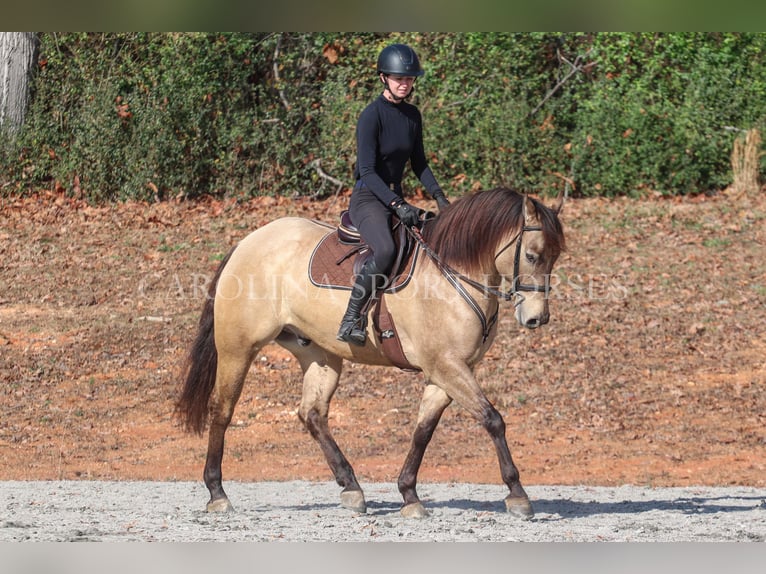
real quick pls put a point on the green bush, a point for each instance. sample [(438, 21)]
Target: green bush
[(151, 116), (661, 110)]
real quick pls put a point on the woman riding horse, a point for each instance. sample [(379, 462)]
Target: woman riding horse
[(389, 133)]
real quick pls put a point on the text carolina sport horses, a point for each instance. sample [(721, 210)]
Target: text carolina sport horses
[(445, 318)]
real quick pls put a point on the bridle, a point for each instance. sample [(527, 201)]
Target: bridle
[(517, 285), (457, 279)]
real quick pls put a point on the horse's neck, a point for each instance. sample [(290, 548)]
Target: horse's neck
[(451, 283)]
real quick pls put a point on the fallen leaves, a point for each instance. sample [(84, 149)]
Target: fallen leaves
[(654, 357)]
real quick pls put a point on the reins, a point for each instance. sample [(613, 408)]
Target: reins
[(456, 279)]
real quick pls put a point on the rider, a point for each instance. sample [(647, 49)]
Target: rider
[(389, 132)]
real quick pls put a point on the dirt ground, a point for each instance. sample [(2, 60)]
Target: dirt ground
[(651, 371)]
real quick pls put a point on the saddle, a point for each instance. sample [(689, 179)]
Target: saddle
[(336, 260), (340, 254)]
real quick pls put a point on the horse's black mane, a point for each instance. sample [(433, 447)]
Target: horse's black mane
[(466, 233)]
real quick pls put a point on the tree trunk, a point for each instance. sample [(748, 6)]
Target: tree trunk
[(18, 54)]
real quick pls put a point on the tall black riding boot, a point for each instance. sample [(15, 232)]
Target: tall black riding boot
[(353, 326)]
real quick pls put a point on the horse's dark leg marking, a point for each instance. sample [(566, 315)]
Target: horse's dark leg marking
[(230, 378), (463, 388), (341, 468), (495, 425), (431, 409), (212, 474), (321, 372), (517, 502)]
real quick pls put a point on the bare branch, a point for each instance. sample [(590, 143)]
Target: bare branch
[(277, 80), (576, 67), (569, 182), (316, 164), (464, 100)]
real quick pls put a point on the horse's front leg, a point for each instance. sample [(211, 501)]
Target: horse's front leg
[(517, 502), (458, 381), (432, 405)]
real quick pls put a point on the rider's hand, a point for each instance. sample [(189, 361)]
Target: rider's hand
[(441, 201), (407, 214)]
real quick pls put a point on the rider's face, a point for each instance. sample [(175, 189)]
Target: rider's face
[(399, 86)]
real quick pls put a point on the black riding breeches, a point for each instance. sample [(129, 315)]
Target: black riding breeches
[(373, 220)]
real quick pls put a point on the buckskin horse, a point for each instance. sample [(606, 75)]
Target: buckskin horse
[(445, 321)]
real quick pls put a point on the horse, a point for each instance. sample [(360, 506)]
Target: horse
[(446, 319)]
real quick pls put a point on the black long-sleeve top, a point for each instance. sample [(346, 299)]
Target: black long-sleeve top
[(388, 135)]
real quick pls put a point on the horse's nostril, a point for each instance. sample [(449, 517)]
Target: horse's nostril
[(532, 324)]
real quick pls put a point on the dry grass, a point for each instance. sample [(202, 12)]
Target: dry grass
[(745, 163)]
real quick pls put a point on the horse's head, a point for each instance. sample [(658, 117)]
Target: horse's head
[(503, 233), (527, 260)]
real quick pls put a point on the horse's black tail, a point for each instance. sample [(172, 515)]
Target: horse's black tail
[(201, 364)]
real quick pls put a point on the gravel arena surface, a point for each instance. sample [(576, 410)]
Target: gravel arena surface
[(300, 511)]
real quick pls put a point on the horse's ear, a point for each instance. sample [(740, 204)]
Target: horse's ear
[(559, 205), (528, 210)]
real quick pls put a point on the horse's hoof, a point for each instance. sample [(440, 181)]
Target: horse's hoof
[(415, 510), (220, 505), (353, 500), (520, 507)]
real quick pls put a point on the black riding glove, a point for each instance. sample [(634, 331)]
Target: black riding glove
[(407, 214), (441, 200)]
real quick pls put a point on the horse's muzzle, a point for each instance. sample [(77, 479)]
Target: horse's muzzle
[(535, 322)]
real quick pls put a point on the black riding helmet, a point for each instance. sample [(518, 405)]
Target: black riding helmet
[(399, 60)]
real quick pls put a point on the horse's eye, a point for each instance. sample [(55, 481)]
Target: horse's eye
[(531, 258)]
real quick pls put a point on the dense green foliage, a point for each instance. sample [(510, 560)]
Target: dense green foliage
[(148, 115)]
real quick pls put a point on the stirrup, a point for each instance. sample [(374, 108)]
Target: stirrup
[(353, 331)]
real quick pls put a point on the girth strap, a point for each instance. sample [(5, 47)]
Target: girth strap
[(389, 338)]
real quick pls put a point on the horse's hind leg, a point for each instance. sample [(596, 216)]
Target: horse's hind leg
[(321, 372), (230, 376), (432, 405)]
